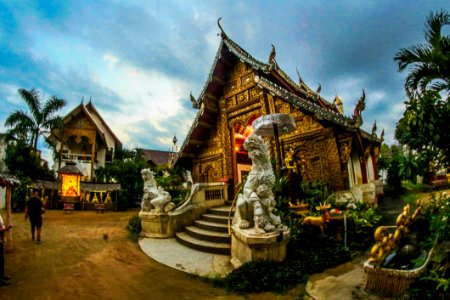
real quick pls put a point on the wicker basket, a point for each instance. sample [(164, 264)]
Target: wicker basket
[(391, 282)]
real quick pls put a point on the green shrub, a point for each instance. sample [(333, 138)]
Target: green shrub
[(134, 225), (435, 283), (303, 258)]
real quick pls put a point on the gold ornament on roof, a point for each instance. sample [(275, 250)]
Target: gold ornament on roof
[(339, 105)]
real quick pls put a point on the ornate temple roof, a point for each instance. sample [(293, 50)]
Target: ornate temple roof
[(269, 77), (71, 169), (91, 108), (157, 157), (89, 111)]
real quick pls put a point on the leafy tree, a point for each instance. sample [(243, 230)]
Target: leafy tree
[(171, 179), (23, 161), (429, 63), (126, 170), (39, 121), (423, 128)]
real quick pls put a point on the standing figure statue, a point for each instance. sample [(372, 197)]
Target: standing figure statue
[(256, 203)]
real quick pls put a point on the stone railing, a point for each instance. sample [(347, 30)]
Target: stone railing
[(202, 197)]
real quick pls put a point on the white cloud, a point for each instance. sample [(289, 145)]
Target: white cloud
[(11, 93), (375, 97), (149, 98)]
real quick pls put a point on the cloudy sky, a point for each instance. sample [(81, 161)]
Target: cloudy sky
[(139, 60)]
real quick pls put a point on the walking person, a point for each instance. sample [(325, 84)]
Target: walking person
[(4, 280), (34, 210)]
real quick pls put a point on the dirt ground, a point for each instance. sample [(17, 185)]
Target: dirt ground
[(85, 255)]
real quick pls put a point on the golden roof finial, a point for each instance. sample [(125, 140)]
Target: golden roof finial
[(338, 103)]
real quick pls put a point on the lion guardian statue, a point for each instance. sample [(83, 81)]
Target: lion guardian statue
[(256, 203), (155, 199)]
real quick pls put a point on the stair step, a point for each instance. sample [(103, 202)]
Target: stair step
[(215, 218), (221, 210), (209, 236), (211, 247), (212, 226), (228, 202)]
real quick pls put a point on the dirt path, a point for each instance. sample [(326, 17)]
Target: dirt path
[(85, 255)]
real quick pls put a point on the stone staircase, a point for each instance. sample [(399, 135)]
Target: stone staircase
[(209, 233)]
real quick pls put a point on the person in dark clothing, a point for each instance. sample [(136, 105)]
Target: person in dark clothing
[(34, 211), (4, 280)]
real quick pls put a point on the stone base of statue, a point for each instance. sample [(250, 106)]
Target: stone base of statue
[(248, 245), (156, 225)]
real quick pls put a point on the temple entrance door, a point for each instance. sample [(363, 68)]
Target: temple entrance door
[(243, 163)]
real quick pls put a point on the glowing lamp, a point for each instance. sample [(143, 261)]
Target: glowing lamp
[(70, 176)]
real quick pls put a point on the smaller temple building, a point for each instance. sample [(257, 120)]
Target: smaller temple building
[(85, 139), (84, 144)]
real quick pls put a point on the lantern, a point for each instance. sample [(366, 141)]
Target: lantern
[(70, 176)]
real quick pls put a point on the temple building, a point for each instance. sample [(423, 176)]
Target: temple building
[(156, 157), (84, 144), (85, 139), (326, 145)]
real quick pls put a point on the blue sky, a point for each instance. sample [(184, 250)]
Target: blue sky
[(139, 60)]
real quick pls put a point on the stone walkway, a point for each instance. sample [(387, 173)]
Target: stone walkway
[(344, 282), (172, 254)]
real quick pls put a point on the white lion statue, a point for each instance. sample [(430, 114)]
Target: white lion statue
[(256, 203), (155, 199)]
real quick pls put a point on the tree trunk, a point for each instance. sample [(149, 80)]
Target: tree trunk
[(9, 242), (35, 142)]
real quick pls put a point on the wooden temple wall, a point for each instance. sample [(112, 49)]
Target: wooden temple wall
[(317, 150), (239, 102)]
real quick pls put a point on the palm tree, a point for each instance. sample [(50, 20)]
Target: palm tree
[(38, 122), (429, 63)]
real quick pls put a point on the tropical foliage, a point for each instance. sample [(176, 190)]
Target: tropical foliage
[(428, 64), (423, 126), (38, 121), (171, 180), (25, 163), (126, 170), (435, 284)]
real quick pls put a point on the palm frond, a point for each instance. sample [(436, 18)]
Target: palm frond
[(433, 26), (419, 78), (51, 106), (31, 98), (416, 55), (53, 123), (19, 118)]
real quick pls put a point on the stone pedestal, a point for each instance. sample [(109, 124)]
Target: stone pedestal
[(247, 245), (156, 226)]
